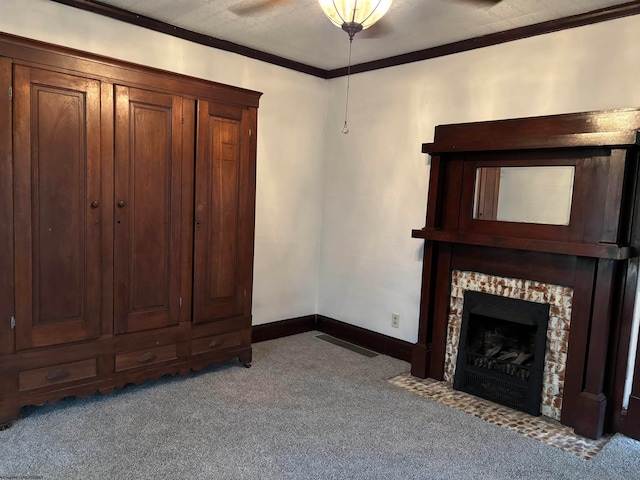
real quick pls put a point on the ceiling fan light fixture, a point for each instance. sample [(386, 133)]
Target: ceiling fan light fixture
[(354, 16)]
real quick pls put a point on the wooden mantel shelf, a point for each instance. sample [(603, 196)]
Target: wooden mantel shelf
[(599, 250)]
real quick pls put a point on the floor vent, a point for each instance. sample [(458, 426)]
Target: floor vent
[(347, 345)]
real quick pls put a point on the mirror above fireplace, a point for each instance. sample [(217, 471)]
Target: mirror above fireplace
[(535, 194)]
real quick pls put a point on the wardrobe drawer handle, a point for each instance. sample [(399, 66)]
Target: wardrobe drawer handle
[(58, 374), (147, 357), (214, 343)]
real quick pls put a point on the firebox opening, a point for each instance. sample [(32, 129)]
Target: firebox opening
[(501, 351)]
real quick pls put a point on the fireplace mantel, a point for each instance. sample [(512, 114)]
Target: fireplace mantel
[(595, 253)]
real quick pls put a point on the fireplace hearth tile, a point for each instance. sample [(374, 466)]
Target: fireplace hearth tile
[(543, 429)]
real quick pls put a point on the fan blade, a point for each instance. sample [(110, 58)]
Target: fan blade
[(487, 3), (381, 28), (257, 7)]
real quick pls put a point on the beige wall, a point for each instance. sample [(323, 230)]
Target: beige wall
[(376, 178)]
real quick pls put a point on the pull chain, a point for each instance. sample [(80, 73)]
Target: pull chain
[(345, 129)]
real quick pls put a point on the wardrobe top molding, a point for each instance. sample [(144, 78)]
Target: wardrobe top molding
[(117, 71)]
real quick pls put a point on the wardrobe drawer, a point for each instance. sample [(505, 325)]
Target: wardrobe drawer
[(65, 372), (148, 356), (216, 342)]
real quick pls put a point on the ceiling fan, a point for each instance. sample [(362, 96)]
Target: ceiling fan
[(353, 16), (380, 28), (257, 7)]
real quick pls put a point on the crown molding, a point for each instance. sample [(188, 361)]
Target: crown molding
[(588, 18), (565, 23), (162, 27)]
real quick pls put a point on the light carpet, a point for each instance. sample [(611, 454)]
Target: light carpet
[(307, 409)]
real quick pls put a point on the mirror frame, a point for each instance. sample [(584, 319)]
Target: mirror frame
[(587, 199)]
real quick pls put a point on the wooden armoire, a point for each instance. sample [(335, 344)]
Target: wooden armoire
[(127, 200)]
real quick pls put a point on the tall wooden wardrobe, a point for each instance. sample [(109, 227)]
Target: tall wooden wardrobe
[(127, 199)]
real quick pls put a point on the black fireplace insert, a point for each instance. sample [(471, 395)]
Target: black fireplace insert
[(501, 350)]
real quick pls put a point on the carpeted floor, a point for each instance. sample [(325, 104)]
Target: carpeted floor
[(306, 409)]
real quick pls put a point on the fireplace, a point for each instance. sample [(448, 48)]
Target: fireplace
[(580, 264), (559, 300), (501, 350)]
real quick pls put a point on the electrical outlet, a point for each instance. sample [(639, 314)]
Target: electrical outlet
[(395, 320)]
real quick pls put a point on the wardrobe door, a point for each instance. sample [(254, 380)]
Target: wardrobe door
[(225, 181), (57, 207), (148, 170)]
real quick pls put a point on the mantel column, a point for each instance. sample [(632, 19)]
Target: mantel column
[(592, 401)]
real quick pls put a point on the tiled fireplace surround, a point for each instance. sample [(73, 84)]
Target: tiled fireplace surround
[(560, 301)]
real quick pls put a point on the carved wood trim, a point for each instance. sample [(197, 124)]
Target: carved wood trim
[(88, 65)]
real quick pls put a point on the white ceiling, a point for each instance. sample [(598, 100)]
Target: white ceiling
[(298, 30)]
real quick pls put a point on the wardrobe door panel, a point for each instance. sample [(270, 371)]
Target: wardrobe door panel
[(57, 207), (148, 141), (218, 286)]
